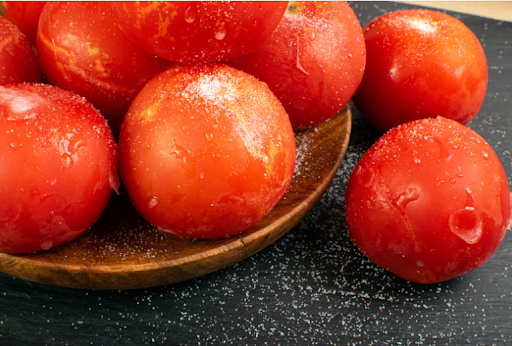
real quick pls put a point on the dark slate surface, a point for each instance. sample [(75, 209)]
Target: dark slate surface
[(312, 287)]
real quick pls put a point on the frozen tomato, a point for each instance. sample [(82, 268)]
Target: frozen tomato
[(313, 62), (18, 62), (206, 151), (83, 50), (199, 31), (58, 166), (25, 15), (420, 64), (429, 201)]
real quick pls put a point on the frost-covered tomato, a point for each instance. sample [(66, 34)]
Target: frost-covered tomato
[(313, 62), (25, 15), (199, 31), (57, 166), (420, 64), (429, 201), (18, 62), (206, 151), (82, 49)]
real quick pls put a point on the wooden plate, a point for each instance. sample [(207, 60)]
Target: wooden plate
[(123, 251)]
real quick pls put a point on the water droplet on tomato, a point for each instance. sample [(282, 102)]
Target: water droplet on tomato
[(176, 150), (466, 224), (46, 245), (209, 136), (470, 200), (416, 160), (486, 155), (420, 263), (21, 116), (69, 145), (168, 231), (201, 175), (44, 196), (16, 145), (412, 193), (299, 73), (64, 145), (310, 33), (190, 14), (153, 202), (220, 33), (98, 130), (302, 73), (445, 152)]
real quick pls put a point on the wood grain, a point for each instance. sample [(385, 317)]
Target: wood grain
[(123, 251)]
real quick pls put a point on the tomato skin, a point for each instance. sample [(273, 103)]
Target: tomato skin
[(198, 31), (18, 62), (206, 151), (83, 50), (25, 15), (420, 64), (314, 61), (58, 166), (429, 201)]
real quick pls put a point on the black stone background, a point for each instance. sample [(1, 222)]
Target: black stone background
[(312, 287)]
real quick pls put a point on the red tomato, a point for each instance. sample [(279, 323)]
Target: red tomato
[(18, 62), (83, 50), (420, 64), (199, 31), (206, 151), (429, 201), (58, 166), (25, 15), (314, 61)]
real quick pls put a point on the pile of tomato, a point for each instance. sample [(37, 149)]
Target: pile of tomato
[(192, 107)]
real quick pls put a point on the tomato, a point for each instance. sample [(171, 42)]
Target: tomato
[(429, 201), (25, 15), (199, 31), (420, 64), (57, 166), (314, 61), (18, 62), (83, 50), (206, 151)]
